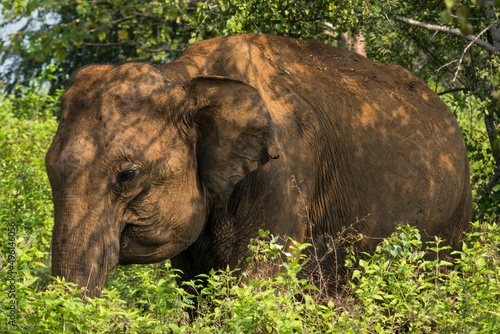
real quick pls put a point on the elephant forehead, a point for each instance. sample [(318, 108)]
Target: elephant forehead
[(135, 78), (133, 89), (76, 155), (134, 139), (132, 79), (142, 140), (127, 106)]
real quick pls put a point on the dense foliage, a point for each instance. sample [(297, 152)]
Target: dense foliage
[(396, 289), (74, 33)]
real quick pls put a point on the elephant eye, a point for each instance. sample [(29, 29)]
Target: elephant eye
[(125, 176)]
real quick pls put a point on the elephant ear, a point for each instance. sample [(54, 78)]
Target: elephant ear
[(236, 134)]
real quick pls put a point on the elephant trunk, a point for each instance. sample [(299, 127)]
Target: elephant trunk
[(84, 249)]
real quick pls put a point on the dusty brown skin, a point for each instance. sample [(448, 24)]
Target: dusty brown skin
[(188, 160)]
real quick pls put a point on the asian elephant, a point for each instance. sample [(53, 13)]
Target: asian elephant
[(188, 160)]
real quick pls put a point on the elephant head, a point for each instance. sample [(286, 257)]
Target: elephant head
[(138, 162)]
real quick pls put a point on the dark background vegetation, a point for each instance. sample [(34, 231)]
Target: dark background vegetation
[(453, 46)]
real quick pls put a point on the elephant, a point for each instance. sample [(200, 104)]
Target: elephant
[(188, 160)]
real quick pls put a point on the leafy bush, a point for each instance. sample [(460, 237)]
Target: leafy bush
[(398, 289), (26, 201)]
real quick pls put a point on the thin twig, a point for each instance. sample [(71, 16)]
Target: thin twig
[(452, 90), (90, 275), (137, 44), (329, 25), (470, 44), (454, 31), (144, 48), (322, 282), (113, 23), (451, 62), (104, 44), (387, 17), (439, 69), (332, 35)]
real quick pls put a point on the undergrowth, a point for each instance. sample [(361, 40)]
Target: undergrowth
[(395, 290)]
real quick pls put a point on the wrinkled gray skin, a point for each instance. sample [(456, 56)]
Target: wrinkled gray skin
[(187, 161)]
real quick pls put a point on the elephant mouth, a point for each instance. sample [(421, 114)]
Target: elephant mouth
[(126, 245), (133, 251)]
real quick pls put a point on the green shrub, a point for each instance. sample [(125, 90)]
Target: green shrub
[(268, 298), (477, 282), (397, 289), (26, 202), (34, 102)]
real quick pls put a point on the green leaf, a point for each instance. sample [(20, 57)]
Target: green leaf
[(356, 274), (480, 262), (446, 16), (60, 55), (122, 34), (101, 35), (449, 3)]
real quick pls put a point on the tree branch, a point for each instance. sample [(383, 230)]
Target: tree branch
[(137, 44), (452, 90), (454, 31), (493, 180), (113, 22), (470, 44), (144, 48), (329, 33), (104, 44), (489, 122)]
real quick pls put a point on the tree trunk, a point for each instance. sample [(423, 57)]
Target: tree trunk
[(489, 118), (356, 43)]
